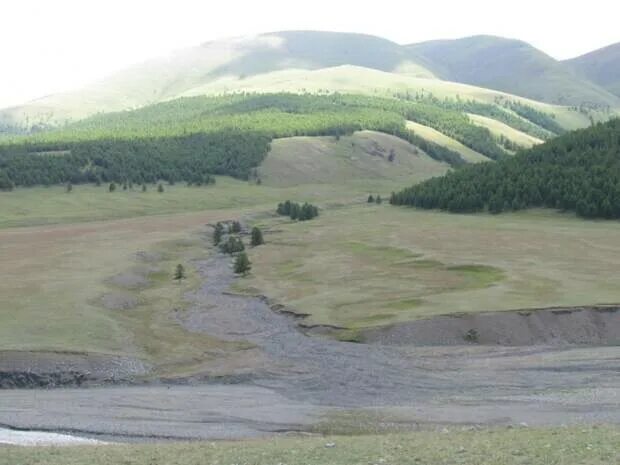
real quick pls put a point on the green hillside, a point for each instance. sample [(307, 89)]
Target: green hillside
[(510, 66), (601, 67), (366, 158), (297, 62), (191, 139), (579, 172)]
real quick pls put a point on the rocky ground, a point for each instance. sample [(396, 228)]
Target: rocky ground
[(300, 379)]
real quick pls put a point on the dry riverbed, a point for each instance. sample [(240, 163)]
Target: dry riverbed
[(298, 382)]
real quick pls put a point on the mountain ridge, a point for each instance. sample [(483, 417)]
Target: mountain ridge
[(235, 60)]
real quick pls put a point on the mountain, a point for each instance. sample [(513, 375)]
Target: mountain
[(319, 62), (237, 58), (511, 66), (579, 171), (601, 67)]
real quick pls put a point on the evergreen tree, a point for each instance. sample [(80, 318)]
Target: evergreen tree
[(112, 187), (160, 188), (257, 237), (69, 188), (371, 199), (179, 272), (378, 199), (242, 264), (235, 227), (218, 231), (143, 187), (232, 246)]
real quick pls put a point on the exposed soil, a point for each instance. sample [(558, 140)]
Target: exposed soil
[(25, 369), (119, 301), (129, 280), (554, 327)]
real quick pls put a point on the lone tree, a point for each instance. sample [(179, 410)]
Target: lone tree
[(378, 199), (257, 237), (69, 188), (218, 231), (160, 188), (242, 264), (371, 199), (179, 273), (112, 187)]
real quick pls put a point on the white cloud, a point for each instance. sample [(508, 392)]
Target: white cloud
[(51, 46)]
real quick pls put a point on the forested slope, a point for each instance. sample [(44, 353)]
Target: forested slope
[(579, 171), (190, 138)]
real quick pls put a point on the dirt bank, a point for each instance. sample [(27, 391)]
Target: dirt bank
[(27, 369), (597, 326)]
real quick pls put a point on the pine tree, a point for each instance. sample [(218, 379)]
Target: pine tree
[(69, 188), (257, 237), (371, 199), (378, 200), (160, 188), (112, 187), (179, 272), (218, 231), (242, 264), (235, 227)]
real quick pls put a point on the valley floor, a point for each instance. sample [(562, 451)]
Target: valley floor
[(296, 382), (93, 305)]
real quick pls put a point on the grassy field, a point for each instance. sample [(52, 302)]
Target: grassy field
[(498, 128), (531, 446), (360, 161), (52, 205), (104, 287), (441, 139), (359, 266)]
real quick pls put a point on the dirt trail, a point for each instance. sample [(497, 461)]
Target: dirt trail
[(307, 376)]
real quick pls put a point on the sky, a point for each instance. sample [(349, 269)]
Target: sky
[(50, 46)]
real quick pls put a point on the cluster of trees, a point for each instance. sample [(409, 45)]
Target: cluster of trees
[(192, 139), (579, 171), (296, 211), (227, 227), (372, 199), (233, 245)]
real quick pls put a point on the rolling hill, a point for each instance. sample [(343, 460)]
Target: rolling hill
[(601, 67), (511, 66), (322, 62)]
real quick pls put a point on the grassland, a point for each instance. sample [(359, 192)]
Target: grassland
[(441, 139), (360, 161), (498, 129), (359, 266), (535, 446), (89, 288)]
